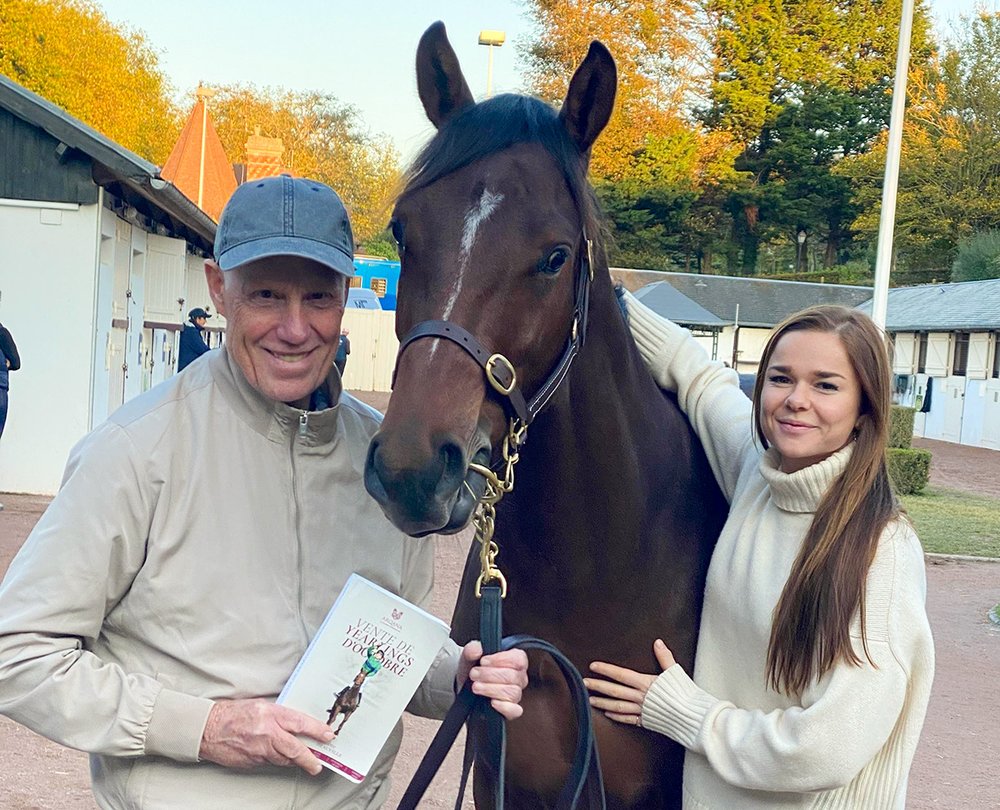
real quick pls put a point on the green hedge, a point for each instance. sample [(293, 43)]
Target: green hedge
[(909, 469), (901, 426)]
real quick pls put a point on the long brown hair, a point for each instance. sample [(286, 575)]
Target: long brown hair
[(810, 631)]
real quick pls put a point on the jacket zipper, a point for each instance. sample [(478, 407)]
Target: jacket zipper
[(303, 429)]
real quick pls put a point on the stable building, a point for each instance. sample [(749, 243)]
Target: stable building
[(947, 359), (101, 258), (749, 308)]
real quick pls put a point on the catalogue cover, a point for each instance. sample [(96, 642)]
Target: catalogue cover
[(360, 671)]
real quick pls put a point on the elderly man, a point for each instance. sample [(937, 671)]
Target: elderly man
[(201, 535)]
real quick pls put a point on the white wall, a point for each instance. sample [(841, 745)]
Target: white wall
[(750, 346), (48, 260)]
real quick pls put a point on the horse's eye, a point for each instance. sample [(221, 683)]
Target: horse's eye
[(555, 261)]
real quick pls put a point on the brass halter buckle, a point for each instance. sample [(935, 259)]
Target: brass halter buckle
[(499, 360)]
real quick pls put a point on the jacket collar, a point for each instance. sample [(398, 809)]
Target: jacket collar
[(276, 420)]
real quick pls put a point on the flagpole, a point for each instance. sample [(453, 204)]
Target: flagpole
[(887, 218)]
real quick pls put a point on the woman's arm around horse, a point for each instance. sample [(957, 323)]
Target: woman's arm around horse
[(707, 391)]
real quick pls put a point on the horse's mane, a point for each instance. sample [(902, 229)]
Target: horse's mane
[(499, 123)]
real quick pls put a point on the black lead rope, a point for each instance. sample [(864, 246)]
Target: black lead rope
[(467, 707)]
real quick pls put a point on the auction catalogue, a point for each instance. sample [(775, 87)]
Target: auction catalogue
[(360, 671)]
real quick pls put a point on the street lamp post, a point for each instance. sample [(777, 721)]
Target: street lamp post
[(801, 253), (489, 39)]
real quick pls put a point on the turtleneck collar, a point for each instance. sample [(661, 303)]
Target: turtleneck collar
[(802, 491), (276, 420)]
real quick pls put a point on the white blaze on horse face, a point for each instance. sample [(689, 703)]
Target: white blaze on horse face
[(474, 218)]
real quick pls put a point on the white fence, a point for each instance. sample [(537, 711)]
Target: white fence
[(373, 349)]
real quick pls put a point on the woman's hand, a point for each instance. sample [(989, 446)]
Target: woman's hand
[(621, 696)]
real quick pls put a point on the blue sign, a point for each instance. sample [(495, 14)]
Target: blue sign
[(379, 275)]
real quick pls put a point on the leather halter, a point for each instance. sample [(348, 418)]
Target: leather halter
[(500, 372)]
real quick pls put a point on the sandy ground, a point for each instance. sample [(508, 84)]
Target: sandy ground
[(957, 764)]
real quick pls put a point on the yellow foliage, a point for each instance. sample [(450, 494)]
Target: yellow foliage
[(69, 53), (322, 139), (655, 44)]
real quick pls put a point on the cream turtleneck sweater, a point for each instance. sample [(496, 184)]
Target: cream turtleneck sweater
[(848, 741)]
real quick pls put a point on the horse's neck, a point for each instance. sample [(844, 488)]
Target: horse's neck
[(609, 398), (607, 442)]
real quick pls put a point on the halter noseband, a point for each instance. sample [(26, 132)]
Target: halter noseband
[(500, 372)]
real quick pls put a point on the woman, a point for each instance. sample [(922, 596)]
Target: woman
[(815, 657)]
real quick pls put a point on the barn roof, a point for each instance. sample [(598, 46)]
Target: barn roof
[(665, 300), (762, 302), (973, 305), (120, 171)]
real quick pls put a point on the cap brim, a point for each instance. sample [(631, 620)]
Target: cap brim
[(271, 246)]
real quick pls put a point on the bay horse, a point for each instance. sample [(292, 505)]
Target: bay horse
[(606, 537), (346, 703)]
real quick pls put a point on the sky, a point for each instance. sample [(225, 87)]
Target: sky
[(361, 52)]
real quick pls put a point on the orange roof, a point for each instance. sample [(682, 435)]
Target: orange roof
[(184, 166)]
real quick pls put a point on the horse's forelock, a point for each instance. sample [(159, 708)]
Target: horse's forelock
[(497, 124)]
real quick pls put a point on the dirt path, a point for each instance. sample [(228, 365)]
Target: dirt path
[(957, 466), (957, 762)]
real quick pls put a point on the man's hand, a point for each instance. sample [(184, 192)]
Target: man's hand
[(247, 733), (501, 677)]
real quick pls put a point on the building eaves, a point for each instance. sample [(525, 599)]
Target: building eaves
[(967, 305), (668, 302), (115, 167), (762, 302)]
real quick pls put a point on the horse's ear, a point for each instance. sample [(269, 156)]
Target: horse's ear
[(591, 97), (440, 82)]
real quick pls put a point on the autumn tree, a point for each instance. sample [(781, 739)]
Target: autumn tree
[(654, 162), (949, 180), (654, 46), (322, 138), (68, 52), (801, 84)]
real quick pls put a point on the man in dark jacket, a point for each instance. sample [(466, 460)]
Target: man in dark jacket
[(343, 349), (10, 361), (193, 344)]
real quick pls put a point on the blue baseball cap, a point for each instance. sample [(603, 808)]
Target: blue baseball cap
[(285, 216)]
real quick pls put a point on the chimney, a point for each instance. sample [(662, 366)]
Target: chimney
[(263, 157)]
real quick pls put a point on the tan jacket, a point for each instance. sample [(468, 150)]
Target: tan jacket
[(197, 542)]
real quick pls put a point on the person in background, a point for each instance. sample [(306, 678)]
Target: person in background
[(192, 342), (201, 535), (815, 657), (343, 349), (10, 361)]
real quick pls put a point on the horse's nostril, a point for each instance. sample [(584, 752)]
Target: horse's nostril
[(374, 481), (452, 461)]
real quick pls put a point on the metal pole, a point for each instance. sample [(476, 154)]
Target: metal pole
[(887, 219), (736, 339), (489, 74)]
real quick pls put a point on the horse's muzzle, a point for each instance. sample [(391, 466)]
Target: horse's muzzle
[(437, 497)]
